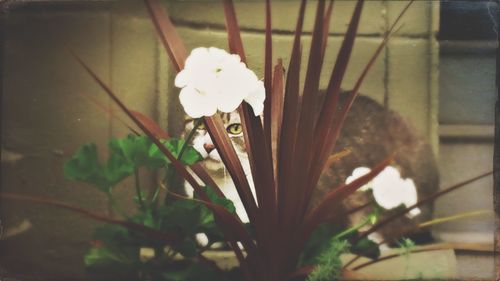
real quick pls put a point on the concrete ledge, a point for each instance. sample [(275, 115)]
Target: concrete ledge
[(467, 132)]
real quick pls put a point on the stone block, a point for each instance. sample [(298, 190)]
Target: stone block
[(416, 22), (409, 81)]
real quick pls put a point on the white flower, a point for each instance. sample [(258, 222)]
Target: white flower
[(357, 173), (389, 189), (213, 79)]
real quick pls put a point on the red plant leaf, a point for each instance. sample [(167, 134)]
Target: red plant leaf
[(233, 30), (326, 24), (108, 111), (277, 98), (332, 94), (286, 148), (338, 123), (168, 34), (151, 125), (206, 178), (151, 232), (259, 152), (268, 75), (231, 161), (308, 115), (334, 199)]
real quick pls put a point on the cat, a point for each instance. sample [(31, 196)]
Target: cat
[(371, 133), (212, 162)]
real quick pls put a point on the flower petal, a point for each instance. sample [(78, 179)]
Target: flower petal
[(182, 79), (357, 173), (196, 104), (256, 99)]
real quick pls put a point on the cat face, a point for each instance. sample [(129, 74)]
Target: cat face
[(202, 142)]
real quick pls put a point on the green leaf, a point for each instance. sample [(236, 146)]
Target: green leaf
[(366, 248), (189, 157), (125, 156), (329, 265), (406, 245), (224, 202), (145, 217), (188, 248), (118, 165), (319, 240), (136, 150), (84, 166), (113, 235), (116, 248), (181, 216), (105, 256), (103, 263)]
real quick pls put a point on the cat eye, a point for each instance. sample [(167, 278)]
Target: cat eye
[(234, 129)]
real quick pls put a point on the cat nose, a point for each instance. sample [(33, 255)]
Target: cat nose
[(208, 147)]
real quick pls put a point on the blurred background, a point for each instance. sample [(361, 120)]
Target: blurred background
[(438, 71)]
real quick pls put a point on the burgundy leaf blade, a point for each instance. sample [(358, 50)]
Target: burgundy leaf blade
[(277, 97), (151, 232), (268, 75), (335, 197), (168, 34), (330, 103), (338, 123), (307, 119), (286, 147), (230, 159), (233, 30), (151, 125), (326, 24), (110, 112), (258, 150)]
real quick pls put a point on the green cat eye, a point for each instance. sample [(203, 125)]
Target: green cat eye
[(234, 129)]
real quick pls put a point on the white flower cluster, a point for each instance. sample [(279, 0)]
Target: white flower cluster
[(389, 189), (213, 79)]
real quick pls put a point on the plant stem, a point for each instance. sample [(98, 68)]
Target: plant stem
[(170, 176), (352, 229), (138, 189), (452, 218), (197, 123), (432, 248), (155, 196)]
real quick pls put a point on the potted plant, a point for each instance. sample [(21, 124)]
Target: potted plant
[(289, 147)]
